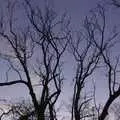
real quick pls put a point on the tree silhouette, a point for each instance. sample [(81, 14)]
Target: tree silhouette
[(34, 54), (104, 47), (50, 45)]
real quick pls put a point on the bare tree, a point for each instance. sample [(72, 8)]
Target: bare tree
[(87, 57), (22, 110), (35, 53), (104, 45), (97, 51), (39, 37)]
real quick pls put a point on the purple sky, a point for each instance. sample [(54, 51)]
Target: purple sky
[(77, 9)]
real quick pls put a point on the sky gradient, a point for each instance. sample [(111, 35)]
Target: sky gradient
[(77, 10)]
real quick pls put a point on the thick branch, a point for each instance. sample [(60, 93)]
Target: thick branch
[(13, 83)]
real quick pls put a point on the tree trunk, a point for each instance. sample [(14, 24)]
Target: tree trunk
[(41, 116), (77, 115), (41, 113)]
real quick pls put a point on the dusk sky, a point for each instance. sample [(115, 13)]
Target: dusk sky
[(77, 10)]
